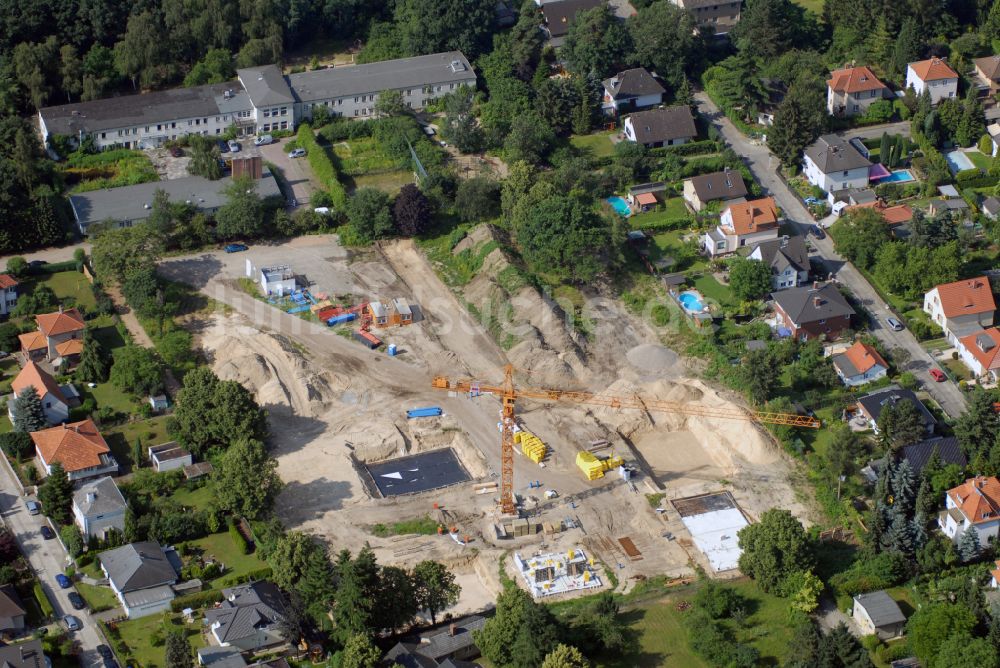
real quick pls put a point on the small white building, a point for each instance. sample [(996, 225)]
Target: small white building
[(833, 164), (962, 307), (141, 575), (876, 613), (631, 89), (980, 351), (974, 505), (743, 224), (278, 280), (168, 456), (8, 293), (933, 75), (98, 507)]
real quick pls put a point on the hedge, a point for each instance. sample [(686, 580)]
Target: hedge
[(691, 148), (250, 576), (54, 267), (43, 601), (322, 166), (201, 599), (241, 543), (973, 178)]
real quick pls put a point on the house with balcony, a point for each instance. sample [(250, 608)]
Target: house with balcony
[(834, 164), (630, 90), (972, 506), (671, 126), (850, 91), (59, 335), (720, 16), (78, 446), (141, 575), (860, 364), (933, 75), (986, 74), (788, 258), (741, 225), (962, 307), (99, 507)]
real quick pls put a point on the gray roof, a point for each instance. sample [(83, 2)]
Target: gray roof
[(441, 643), (23, 655), (658, 125), (831, 154), (150, 595), (99, 497), (434, 69), (948, 448), (880, 607), (808, 304), (10, 602), (143, 109), (873, 402), (406, 655), (991, 205), (246, 610), (862, 195), (138, 566), (949, 204), (636, 82), (727, 184), (221, 657), (129, 202), (782, 253), (559, 15), (266, 85)]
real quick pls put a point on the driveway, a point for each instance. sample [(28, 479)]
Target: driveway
[(875, 131), (296, 171), (47, 558), (763, 165)]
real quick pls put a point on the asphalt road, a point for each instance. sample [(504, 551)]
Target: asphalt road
[(47, 558), (295, 170), (764, 167)]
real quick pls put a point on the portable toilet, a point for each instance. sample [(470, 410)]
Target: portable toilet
[(391, 349)]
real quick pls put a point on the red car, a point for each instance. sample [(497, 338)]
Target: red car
[(938, 375)]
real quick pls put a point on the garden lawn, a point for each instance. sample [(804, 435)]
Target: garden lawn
[(712, 289), (219, 546), (387, 182), (152, 431), (107, 395), (138, 635), (363, 155), (959, 370), (673, 210), (668, 244), (97, 598), (980, 160), (194, 498), (599, 145), (70, 285)]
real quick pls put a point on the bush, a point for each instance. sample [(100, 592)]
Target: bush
[(322, 166), (202, 599), (17, 444), (985, 145), (717, 600), (43, 601), (973, 178), (691, 148), (241, 543)]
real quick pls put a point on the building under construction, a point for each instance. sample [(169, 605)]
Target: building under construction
[(557, 572)]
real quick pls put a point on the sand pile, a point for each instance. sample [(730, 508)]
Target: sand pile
[(650, 358)]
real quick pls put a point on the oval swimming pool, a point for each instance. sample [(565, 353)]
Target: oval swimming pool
[(691, 301), (620, 205)]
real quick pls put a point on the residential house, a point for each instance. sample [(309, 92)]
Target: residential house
[(27, 654), (743, 224), (788, 258), (141, 575), (559, 16), (8, 294), (78, 446), (987, 74), (871, 405), (54, 402), (876, 613), (961, 308), (898, 214), (947, 449), (262, 99), (993, 130), (671, 126), (12, 611), (59, 333), (812, 311), (168, 456), (859, 364), (278, 280), (933, 75), (975, 505), (221, 657), (726, 185), (833, 164), (979, 351), (721, 17), (631, 89), (850, 91), (99, 507), (454, 644), (990, 207), (249, 618), (956, 206)]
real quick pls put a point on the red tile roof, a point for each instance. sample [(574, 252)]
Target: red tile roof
[(32, 341), (933, 70), (854, 80), (60, 322), (7, 281), (76, 446), (990, 337), (754, 216), (978, 498), (863, 357), (33, 375), (645, 198), (966, 297), (71, 347)]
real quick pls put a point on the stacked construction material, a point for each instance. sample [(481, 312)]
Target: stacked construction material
[(532, 446), (593, 467)]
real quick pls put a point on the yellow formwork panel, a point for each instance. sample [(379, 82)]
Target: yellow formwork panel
[(532, 446), (591, 466)]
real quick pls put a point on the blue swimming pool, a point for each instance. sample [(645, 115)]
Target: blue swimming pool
[(620, 205), (691, 301), (958, 161), (899, 176)]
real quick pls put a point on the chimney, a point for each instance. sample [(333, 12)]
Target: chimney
[(815, 285), (60, 308), (817, 301), (91, 497), (451, 629)]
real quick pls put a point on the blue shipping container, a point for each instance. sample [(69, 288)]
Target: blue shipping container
[(432, 411), (342, 318)]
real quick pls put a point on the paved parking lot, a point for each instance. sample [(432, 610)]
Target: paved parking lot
[(296, 171)]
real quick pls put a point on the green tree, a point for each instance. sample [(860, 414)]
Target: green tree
[(775, 548), (798, 120), (596, 42), (530, 139), (436, 588), (390, 103), (56, 494), (138, 453), (434, 26), (899, 424), (130, 527), (29, 415), (242, 216), (71, 71), (518, 630), (141, 54), (859, 234), (841, 648), (357, 593), (666, 42), (289, 558), (118, 252), (360, 652), (563, 237), (93, 366), (477, 199), (215, 67), (963, 651), (758, 375), (138, 371), (749, 279), (396, 599), (968, 546), (204, 158), (72, 539), (368, 214), (907, 47), (17, 266), (769, 28), (979, 426), (247, 482), (178, 651), (214, 413), (933, 623), (412, 211), (565, 656), (460, 125), (17, 444)]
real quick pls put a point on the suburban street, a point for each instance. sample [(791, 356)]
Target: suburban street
[(764, 167), (47, 558)]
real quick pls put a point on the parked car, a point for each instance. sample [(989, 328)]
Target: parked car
[(47, 532), (297, 153), (818, 232), (76, 601), (235, 146), (37, 263), (263, 140), (63, 581), (938, 375), (223, 146), (108, 656), (177, 151), (72, 623), (894, 324), (236, 248), (33, 507), (811, 200)]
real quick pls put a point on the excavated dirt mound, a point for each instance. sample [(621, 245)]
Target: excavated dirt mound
[(650, 358)]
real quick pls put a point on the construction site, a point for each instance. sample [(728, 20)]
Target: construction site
[(565, 457)]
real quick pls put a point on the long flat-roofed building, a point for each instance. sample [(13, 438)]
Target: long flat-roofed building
[(262, 99)]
